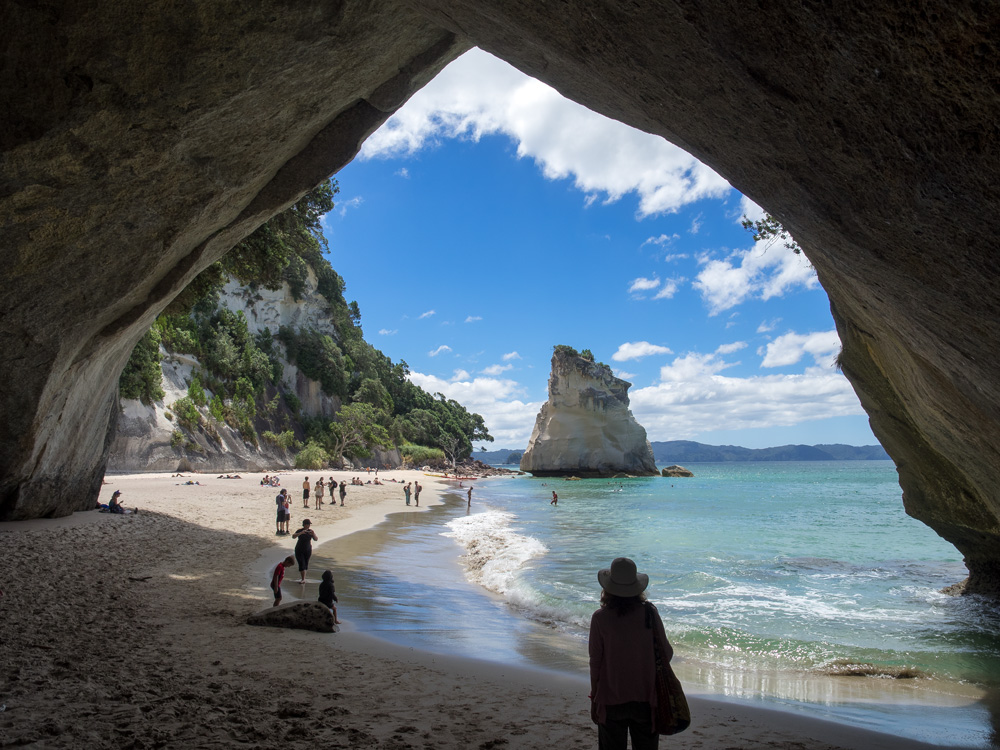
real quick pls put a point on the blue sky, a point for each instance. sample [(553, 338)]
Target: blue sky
[(491, 219)]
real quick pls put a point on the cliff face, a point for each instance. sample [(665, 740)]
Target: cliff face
[(585, 428), (147, 439), (140, 142)]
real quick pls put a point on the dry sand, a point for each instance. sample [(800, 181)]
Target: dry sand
[(128, 631)]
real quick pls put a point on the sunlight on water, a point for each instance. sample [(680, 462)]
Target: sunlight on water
[(769, 577)]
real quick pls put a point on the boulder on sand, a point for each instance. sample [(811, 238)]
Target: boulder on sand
[(298, 615)]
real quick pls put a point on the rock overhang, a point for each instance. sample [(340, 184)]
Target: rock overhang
[(139, 144)]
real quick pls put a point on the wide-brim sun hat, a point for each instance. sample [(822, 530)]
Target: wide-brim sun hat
[(622, 579)]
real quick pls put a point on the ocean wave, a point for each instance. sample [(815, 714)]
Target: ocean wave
[(495, 554)]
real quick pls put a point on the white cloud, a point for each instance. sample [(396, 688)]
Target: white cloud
[(766, 326), (507, 417), (403, 172), (669, 289), (750, 209), (496, 369), (693, 396), (387, 332), (643, 285), (663, 239), (788, 349), (510, 355), (473, 318), (460, 375), (425, 315), (730, 348), (440, 350), (764, 271), (638, 350), (696, 224), (624, 375), (675, 256), (343, 205), (478, 95)]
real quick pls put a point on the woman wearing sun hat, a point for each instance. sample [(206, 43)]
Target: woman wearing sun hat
[(622, 664)]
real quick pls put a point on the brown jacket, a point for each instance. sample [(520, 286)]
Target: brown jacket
[(622, 666)]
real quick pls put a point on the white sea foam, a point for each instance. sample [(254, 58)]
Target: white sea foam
[(495, 553)]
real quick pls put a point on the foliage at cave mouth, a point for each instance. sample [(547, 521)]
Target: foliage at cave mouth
[(239, 383)]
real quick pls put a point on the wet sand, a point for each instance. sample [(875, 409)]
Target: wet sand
[(128, 631)]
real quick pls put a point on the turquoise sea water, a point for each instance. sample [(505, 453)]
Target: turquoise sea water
[(768, 576)]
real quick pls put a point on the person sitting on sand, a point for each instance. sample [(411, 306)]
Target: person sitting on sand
[(328, 595), (113, 505), (303, 547), (278, 575)]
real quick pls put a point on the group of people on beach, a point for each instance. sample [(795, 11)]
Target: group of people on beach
[(320, 490), (269, 481), (304, 537), (414, 490)]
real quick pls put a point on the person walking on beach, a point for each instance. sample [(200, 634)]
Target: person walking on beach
[(406, 492), (622, 661), (470, 498), (319, 493), (304, 538), (278, 575), (416, 492), (279, 501), (343, 490), (305, 493), (328, 595), (555, 498)]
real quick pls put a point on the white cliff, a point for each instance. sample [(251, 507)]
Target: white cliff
[(149, 437), (585, 428)]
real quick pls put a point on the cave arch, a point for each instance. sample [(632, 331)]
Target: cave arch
[(140, 143)]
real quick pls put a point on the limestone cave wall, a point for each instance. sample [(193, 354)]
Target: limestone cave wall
[(140, 141)]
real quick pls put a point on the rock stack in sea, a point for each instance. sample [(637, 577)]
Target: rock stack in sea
[(585, 429)]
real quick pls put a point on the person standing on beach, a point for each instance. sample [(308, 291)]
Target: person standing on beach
[(555, 498), (303, 547), (305, 493), (470, 498), (280, 519), (416, 492), (278, 575), (319, 493), (343, 490), (406, 492), (622, 662)]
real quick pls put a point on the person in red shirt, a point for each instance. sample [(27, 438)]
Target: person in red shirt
[(622, 662), (278, 576)]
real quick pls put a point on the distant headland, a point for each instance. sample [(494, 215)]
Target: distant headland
[(680, 451)]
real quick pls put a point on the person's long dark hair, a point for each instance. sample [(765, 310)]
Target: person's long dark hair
[(621, 604)]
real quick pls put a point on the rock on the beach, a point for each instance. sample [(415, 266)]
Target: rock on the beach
[(585, 428), (297, 615), (675, 471)]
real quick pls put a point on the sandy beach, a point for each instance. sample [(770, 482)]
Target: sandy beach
[(129, 631)]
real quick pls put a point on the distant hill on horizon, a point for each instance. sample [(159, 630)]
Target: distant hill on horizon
[(680, 451)]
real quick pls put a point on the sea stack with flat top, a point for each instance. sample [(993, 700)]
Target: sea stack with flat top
[(585, 429)]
